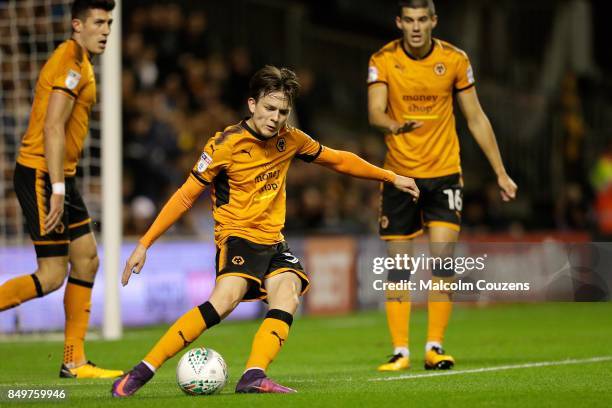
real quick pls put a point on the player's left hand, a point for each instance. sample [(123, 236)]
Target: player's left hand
[(407, 185), (508, 187), (134, 264), (56, 211)]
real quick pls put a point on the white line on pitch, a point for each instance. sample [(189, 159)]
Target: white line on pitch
[(498, 368)]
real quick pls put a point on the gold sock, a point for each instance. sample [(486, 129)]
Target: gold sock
[(269, 339), (18, 290), (439, 308), (182, 333), (77, 305), (398, 319), (397, 307)]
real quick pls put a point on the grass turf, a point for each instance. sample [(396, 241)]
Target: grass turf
[(332, 361)]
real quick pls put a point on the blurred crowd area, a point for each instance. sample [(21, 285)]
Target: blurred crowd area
[(179, 88), (185, 72), (182, 82)]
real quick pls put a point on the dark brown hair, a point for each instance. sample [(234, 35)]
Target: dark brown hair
[(428, 4), (273, 79), (80, 8)]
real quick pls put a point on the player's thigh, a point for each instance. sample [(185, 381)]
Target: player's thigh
[(284, 290), (442, 240), (442, 212), (242, 258), (400, 247), (79, 221), (400, 216), (287, 278), (228, 293), (83, 254), (33, 190)]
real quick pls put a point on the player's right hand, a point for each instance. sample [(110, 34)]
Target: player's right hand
[(134, 264), (407, 185), (56, 211), (406, 127)]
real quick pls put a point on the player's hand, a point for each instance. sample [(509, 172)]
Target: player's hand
[(56, 211), (405, 127), (134, 264), (508, 187), (407, 185)]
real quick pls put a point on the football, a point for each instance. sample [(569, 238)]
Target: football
[(201, 371)]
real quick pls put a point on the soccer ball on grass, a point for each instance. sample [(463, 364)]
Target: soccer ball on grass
[(201, 371)]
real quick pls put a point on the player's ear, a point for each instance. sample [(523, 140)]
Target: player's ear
[(434, 21), (398, 22), (77, 25), (252, 102)]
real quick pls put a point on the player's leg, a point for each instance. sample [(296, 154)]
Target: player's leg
[(226, 295), (77, 304), (400, 223), (285, 281), (83, 258), (49, 277), (443, 220), (283, 298), (397, 308), (33, 189)]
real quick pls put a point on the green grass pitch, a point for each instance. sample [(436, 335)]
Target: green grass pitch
[(332, 361)]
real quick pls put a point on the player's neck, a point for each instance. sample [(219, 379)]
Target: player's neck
[(251, 128), (77, 38), (420, 52)]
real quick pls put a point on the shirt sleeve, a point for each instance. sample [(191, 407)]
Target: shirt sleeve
[(215, 158), (377, 70), (308, 148), (67, 77), (465, 75)]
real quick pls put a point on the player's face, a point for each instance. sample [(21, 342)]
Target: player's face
[(269, 113), (94, 31), (416, 25)]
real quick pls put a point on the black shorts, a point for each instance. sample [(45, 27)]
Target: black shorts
[(439, 204), (256, 263), (33, 189)]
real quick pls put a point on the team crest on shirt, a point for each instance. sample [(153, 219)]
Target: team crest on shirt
[(372, 74), (440, 69), (204, 162), (72, 79), (281, 145)]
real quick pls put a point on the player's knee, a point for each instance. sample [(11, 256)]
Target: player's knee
[(286, 296), (93, 263), (443, 272), (85, 266), (287, 301), (51, 277), (224, 303)]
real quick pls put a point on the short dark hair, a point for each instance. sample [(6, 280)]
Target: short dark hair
[(273, 79), (80, 8), (428, 4)]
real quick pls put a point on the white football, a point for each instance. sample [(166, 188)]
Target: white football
[(201, 371)]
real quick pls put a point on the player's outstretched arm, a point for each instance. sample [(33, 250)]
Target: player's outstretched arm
[(353, 165), (481, 129), (177, 205), (377, 112), (58, 112)]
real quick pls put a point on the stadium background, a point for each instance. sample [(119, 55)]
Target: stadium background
[(542, 71)]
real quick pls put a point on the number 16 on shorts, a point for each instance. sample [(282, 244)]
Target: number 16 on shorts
[(455, 199)]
